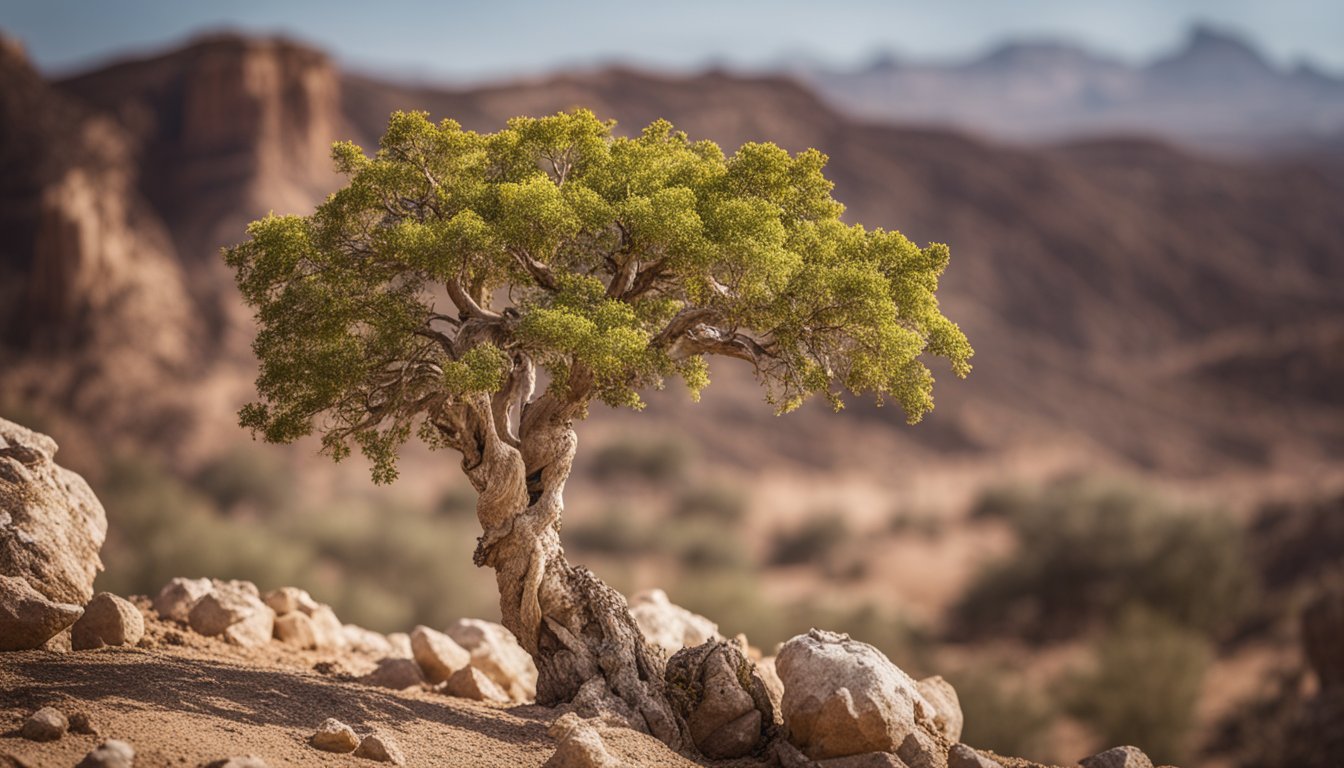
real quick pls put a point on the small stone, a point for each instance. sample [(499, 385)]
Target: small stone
[(27, 618), (107, 620), (247, 761), (46, 724), (286, 600), (437, 654), (296, 629), (773, 685), (235, 612), (379, 747), (175, 601), (401, 645), (366, 641), (865, 760), (398, 674), (962, 756), (112, 753), (334, 736), (80, 722), (1118, 757), (471, 683), (496, 652), (947, 717), (579, 745), (923, 749), (327, 629)]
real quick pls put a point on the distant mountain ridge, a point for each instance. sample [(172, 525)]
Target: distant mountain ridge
[(1217, 91), (1125, 296)]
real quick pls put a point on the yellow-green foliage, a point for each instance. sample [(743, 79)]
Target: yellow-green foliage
[(595, 243)]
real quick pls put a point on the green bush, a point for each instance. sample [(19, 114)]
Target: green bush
[(660, 462), (1143, 686), (1002, 712), (1086, 549), (811, 542)]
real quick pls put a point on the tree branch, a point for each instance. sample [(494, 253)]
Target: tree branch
[(540, 273)]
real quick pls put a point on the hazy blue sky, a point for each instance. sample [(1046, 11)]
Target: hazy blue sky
[(468, 40)]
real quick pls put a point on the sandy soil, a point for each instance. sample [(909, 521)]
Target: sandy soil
[(186, 700)]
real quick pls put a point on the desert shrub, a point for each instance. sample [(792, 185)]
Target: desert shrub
[(715, 502), (1087, 549), (1002, 712), (617, 531), (247, 475), (658, 462), (159, 528), (704, 544), (1286, 724), (926, 525), (812, 541), (1143, 686)]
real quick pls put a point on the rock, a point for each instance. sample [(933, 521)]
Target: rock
[(363, 640), (334, 736), (110, 754), (496, 652), (727, 719), (579, 745), (1322, 628), (51, 524), (379, 747), (773, 685), (865, 760), (669, 626), (107, 620), (471, 683), (234, 612), (1118, 757), (962, 756), (175, 601), (60, 642), (398, 674), (296, 629), (286, 600), (28, 619), (327, 629), (843, 697), (401, 645), (80, 722), (247, 761), (437, 654), (46, 724), (947, 708), (924, 747)]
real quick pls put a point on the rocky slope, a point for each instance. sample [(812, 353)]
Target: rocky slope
[(1130, 302)]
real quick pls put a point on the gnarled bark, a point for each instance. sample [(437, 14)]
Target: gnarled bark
[(578, 630)]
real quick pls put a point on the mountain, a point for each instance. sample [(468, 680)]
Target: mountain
[(1217, 92), (1130, 302)]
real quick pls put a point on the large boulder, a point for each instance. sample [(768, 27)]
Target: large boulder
[(843, 697), (107, 620), (51, 524), (234, 611), (27, 618), (496, 652), (725, 704), (669, 626)]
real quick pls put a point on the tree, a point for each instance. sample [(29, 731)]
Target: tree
[(423, 297)]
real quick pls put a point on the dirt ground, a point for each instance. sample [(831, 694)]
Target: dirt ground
[(187, 700)]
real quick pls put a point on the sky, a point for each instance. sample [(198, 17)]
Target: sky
[(466, 41)]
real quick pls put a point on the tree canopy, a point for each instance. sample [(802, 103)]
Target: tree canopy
[(453, 262)]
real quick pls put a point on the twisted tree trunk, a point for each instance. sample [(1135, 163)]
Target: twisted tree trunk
[(578, 630)]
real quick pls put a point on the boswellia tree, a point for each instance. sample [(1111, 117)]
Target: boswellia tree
[(423, 298)]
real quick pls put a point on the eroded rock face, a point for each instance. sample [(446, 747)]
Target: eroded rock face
[(107, 620), (27, 618), (714, 687), (51, 524), (496, 652), (843, 697), (669, 626)]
